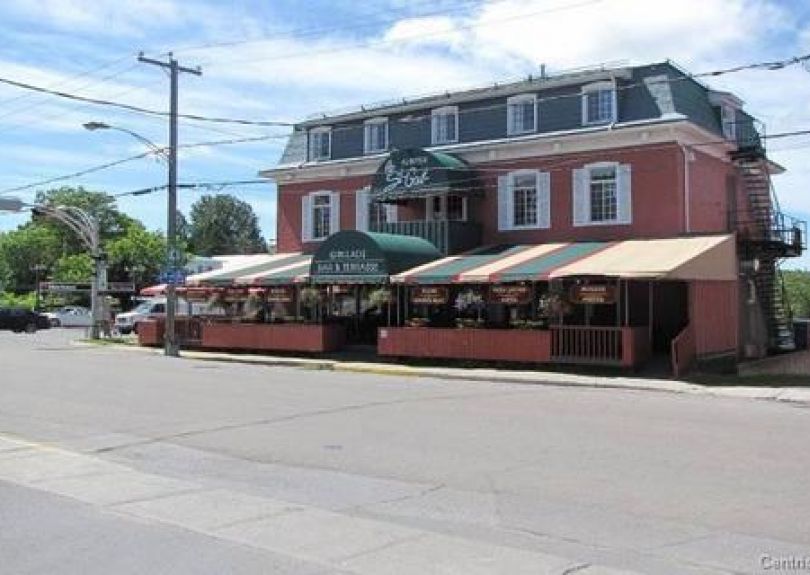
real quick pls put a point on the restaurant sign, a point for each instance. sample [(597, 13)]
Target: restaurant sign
[(593, 294), (429, 295), (510, 294), (279, 294), (415, 173), (348, 262), (348, 256)]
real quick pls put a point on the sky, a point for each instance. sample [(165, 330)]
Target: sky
[(285, 60)]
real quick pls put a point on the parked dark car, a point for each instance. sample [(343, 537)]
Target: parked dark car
[(22, 320)]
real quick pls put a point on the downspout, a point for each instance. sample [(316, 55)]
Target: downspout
[(687, 188)]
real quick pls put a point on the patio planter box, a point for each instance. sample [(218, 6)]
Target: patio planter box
[(531, 346), (187, 331), (273, 337)]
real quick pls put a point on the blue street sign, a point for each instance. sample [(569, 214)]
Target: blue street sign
[(173, 277)]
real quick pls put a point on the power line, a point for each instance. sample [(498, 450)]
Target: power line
[(768, 66), (780, 135), (108, 165), (138, 109), (504, 167)]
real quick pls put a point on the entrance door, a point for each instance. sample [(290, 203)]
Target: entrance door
[(670, 313)]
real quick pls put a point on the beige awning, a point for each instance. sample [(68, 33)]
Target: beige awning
[(235, 267), (688, 258)]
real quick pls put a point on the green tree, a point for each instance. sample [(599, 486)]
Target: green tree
[(223, 224), (73, 268), (797, 287), (112, 223), (24, 248), (138, 255)]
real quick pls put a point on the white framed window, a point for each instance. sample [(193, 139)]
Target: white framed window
[(371, 216), (524, 200), (444, 125), (320, 144), (446, 207), (320, 215), (599, 103), (602, 194), (728, 119), (521, 114), (375, 135)]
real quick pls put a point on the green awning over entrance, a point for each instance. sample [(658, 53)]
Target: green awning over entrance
[(351, 256), (416, 173)]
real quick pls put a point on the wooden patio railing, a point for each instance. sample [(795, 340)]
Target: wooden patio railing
[(581, 344), (683, 351)]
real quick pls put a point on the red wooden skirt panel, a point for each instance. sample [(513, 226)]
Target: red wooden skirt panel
[(150, 333), (481, 344), (273, 337), (187, 330)]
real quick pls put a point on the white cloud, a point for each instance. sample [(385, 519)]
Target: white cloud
[(99, 16)]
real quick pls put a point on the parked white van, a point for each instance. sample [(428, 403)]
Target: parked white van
[(127, 322)]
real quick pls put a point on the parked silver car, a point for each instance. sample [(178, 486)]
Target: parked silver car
[(70, 316)]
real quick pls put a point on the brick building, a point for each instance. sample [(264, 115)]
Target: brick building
[(602, 216)]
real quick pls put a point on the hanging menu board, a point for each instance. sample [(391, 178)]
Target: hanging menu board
[(593, 294), (510, 294), (429, 295), (280, 294)]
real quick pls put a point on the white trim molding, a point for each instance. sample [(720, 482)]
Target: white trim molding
[(675, 130)]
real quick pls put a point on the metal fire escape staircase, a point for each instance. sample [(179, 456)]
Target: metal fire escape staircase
[(767, 236)]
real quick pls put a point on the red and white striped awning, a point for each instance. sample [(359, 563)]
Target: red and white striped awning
[(685, 258)]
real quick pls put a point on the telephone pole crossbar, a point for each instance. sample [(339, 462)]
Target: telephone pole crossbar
[(170, 337)]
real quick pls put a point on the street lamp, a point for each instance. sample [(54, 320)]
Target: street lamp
[(172, 257), (161, 152), (37, 269), (86, 227)]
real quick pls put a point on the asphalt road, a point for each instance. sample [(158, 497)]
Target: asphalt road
[(128, 462)]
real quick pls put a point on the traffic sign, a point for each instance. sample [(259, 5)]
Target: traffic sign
[(173, 277)]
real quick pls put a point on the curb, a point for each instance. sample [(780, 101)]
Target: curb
[(793, 395)]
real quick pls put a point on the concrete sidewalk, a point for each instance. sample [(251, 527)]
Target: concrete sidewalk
[(782, 393)]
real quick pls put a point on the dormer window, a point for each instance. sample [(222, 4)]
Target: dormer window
[(320, 144), (598, 103), (521, 114), (728, 119), (444, 125), (375, 135)]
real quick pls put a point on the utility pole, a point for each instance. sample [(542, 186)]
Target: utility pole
[(170, 336)]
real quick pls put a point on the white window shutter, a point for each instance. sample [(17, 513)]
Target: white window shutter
[(361, 200), (582, 200), (584, 108), (391, 213), (334, 212), (543, 200), (625, 196), (306, 218), (504, 218)]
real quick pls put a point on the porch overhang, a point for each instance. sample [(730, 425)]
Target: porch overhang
[(417, 173)]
